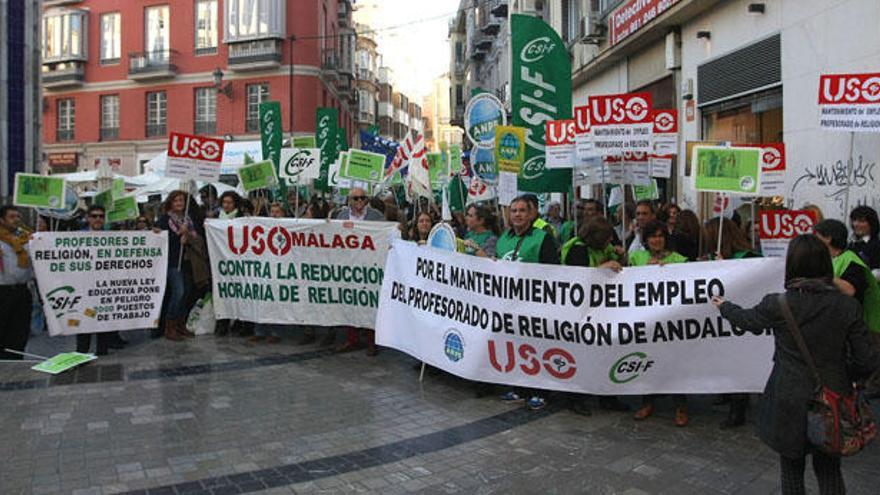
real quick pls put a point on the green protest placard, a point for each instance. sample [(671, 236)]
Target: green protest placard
[(104, 199), (63, 362), (455, 159), (306, 141), (123, 209), (118, 187), (260, 175), (727, 169), (510, 148), (365, 166), (325, 138), (38, 191), (437, 170), (649, 192)]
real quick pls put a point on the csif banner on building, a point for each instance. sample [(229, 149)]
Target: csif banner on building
[(540, 92), (641, 331)]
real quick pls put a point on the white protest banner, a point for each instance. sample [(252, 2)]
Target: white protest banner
[(637, 167), (194, 157), (644, 330), (615, 173), (506, 188), (849, 102), (779, 227), (583, 142), (297, 271), (559, 135), (621, 123), (661, 166), (300, 165), (666, 132), (100, 281)]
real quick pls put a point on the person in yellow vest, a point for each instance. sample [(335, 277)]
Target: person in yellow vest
[(851, 274), (655, 236), (592, 248)]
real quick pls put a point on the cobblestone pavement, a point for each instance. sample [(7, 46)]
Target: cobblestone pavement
[(222, 415)]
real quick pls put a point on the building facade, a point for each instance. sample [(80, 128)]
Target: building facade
[(20, 116), (119, 76), (737, 71)]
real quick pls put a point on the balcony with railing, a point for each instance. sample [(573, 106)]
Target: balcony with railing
[(157, 64), (109, 133), (255, 55), (366, 117), (63, 74), (156, 130), (205, 127), (330, 63), (64, 134)]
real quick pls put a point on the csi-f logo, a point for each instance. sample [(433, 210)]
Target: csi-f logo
[(630, 367), (620, 109), (196, 147), (536, 49), (62, 300), (298, 163), (664, 121), (324, 127), (849, 88), (555, 361), (533, 168)]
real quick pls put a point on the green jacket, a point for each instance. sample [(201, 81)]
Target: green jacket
[(529, 246), (643, 256), (596, 257), (566, 232), (871, 304)]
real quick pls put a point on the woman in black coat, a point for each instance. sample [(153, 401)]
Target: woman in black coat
[(832, 326)]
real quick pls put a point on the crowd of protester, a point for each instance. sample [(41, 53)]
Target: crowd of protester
[(831, 278)]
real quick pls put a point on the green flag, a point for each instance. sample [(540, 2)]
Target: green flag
[(271, 139), (306, 141), (540, 91), (326, 136), (457, 194)]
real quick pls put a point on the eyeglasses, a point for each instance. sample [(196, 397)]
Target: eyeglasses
[(358, 198), (96, 215)]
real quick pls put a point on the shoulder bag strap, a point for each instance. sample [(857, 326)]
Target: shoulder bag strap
[(798, 338), (519, 244)]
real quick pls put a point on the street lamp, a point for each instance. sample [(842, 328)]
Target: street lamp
[(218, 84)]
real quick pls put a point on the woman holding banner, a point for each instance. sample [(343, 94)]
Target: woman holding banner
[(835, 337), (421, 227), (734, 246), (655, 235), (181, 229), (482, 232)]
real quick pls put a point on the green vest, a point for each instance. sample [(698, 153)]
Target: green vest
[(871, 304), (480, 238), (529, 249), (566, 232), (596, 258), (643, 256)]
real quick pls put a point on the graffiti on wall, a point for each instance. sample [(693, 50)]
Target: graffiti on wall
[(856, 177)]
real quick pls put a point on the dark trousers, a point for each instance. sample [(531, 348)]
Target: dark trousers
[(15, 315), (84, 342), (827, 470)]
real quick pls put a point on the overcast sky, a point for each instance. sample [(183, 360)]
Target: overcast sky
[(418, 52)]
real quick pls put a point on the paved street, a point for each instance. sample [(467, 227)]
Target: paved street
[(220, 415)]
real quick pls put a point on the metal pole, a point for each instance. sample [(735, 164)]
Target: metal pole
[(721, 224)]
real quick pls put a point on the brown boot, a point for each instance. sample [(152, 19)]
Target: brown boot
[(183, 331), (171, 329)]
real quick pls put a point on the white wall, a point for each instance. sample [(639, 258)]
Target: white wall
[(818, 36)]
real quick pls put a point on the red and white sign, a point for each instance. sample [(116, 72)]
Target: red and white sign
[(637, 168), (614, 171), (772, 168), (776, 228), (849, 102), (622, 122), (725, 203), (666, 132), (559, 139), (583, 142), (661, 166), (634, 15), (194, 157)]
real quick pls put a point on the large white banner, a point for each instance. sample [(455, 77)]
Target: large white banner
[(100, 281), (644, 330), (315, 272)]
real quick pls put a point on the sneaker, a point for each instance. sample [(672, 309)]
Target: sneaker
[(511, 396), (536, 403), (644, 412)]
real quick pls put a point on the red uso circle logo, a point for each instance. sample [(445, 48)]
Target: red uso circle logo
[(664, 122), (210, 150), (871, 89), (803, 224), (771, 158), (637, 108)]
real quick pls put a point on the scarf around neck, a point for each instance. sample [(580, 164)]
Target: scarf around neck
[(17, 239)]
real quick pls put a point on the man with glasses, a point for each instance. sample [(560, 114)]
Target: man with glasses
[(359, 209), (15, 273), (95, 218)]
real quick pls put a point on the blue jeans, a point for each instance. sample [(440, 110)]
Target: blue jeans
[(274, 329), (176, 288)]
